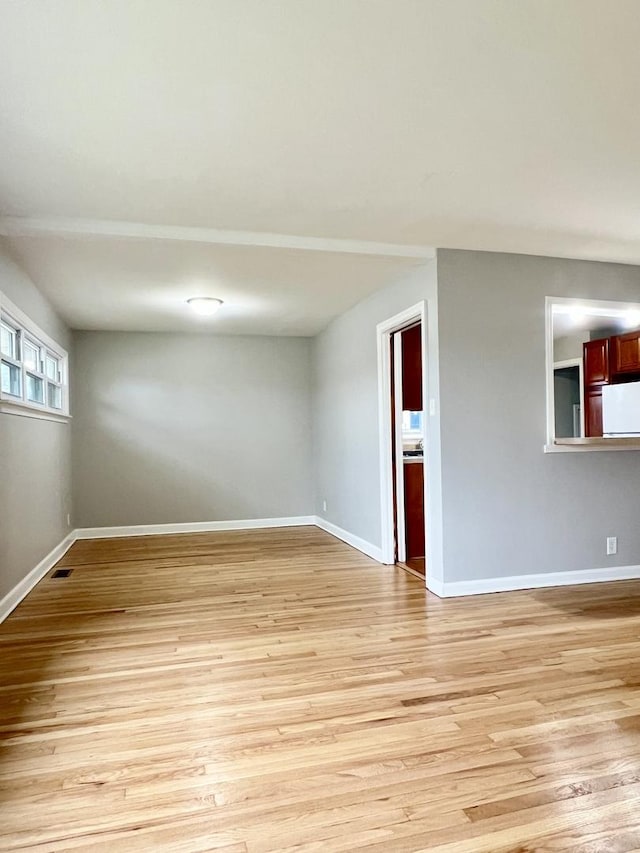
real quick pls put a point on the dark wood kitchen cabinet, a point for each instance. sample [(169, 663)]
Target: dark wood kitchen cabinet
[(607, 360), (596, 362), (625, 353), (414, 509), (614, 359), (412, 369), (596, 374), (593, 413)]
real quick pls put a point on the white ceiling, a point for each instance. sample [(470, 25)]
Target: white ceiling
[(138, 285), (579, 318), (489, 124), (564, 325)]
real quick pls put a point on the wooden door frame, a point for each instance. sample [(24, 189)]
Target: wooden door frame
[(430, 414)]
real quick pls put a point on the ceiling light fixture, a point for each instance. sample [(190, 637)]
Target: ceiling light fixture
[(205, 306)]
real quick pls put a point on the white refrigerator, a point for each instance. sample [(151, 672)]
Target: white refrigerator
[(621, 410)]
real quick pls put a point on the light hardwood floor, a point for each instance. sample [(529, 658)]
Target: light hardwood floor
[(276, 691)]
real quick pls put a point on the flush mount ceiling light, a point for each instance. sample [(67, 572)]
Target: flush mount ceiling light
[(205, 306)]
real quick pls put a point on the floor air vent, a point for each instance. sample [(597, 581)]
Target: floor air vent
[(61, 573)]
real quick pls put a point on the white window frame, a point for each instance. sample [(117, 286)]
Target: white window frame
[(26, 328)]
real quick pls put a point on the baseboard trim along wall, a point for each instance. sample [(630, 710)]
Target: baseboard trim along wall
[(367, 548), (451, 589), (456, 589), (13, 598), (192, 527)]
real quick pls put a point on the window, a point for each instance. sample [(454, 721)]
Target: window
[(412, 425), (8, 340), (33, 368)]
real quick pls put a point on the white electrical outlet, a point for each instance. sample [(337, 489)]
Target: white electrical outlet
[(324, 506), (68, 520), (612, 544)]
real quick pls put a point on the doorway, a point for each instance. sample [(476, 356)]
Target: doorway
[(404, 434), (568, 393), (407, 420)]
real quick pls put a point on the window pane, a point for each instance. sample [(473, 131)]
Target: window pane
[(54, 396), (411, 421), (8, 340), (52, 368), (10, 379), (35, 389), (30, 355)]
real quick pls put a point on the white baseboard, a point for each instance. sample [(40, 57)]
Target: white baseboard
[(192, 527), (436, 587), (451, 589), (20, 590), (454, 589), (367, 548), (13, 598)]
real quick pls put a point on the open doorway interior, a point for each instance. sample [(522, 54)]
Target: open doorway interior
[(408, 440)]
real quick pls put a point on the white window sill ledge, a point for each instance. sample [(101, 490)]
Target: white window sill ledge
[(589, 445), (24, 411)]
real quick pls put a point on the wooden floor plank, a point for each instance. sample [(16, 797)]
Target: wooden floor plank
[(275, 690)]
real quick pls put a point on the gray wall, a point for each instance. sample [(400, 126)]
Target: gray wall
[(181, 428), (345, 392), (569, 346), (508, 508), (171, 428), (35, 456)]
